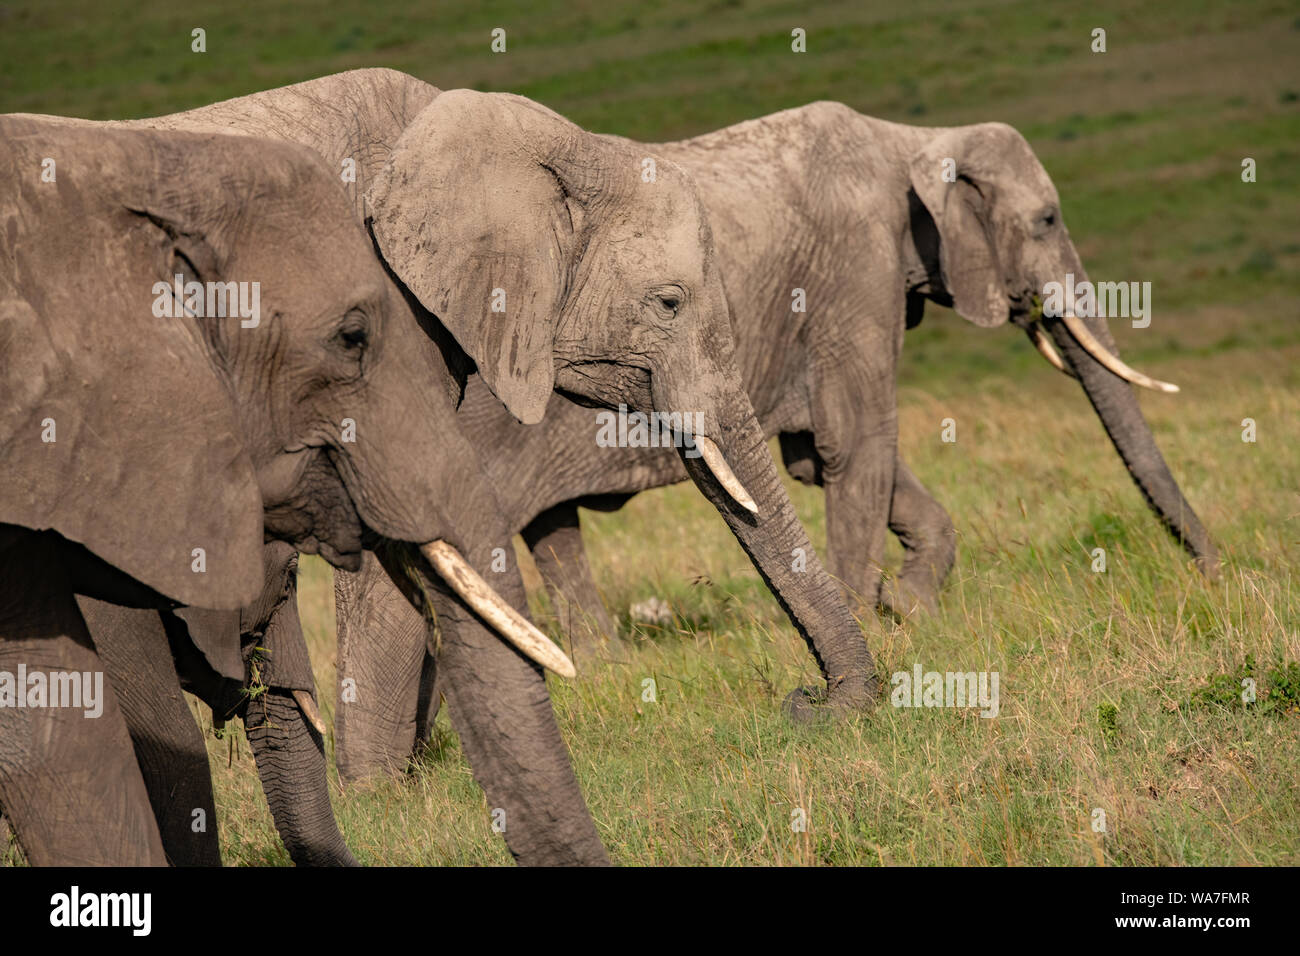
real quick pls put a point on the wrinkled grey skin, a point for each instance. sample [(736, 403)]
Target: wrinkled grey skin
[(852, 210), (178, 434), (616, 299), (513, 744)]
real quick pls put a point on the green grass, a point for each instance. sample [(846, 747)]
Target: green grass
[(1117, 689)]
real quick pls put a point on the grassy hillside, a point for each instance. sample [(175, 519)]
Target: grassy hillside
[(1119, 690), (1144, 141)]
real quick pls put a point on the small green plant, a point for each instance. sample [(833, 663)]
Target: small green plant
[(1283, 695), (1279, 693), (256, 687), (1108, 721)]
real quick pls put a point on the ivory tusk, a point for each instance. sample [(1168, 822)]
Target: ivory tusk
[(1048, 351), (712, 456), (1112, 362), (308, 707), (490, 606)]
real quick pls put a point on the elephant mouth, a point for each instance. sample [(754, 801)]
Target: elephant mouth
[(634, 389), (1027, 314), (603, 383), (314, 512), (1022, 313)]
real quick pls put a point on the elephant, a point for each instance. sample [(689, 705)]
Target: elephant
[(608, 294), (855, 216), (151, 446), (860, 214)]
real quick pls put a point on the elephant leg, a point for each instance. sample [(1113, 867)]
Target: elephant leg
[(854, 410), (929, 543), (69, 782), (382, 647), (555, 539), (858, 475), (501, 711), (169, 747), (857, 510)]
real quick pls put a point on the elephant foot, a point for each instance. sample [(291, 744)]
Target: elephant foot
[(902, 598), (1208, 565), (805, 705)]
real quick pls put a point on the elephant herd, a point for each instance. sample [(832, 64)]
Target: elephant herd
[(446, 288)]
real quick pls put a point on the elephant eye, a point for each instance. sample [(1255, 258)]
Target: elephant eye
[(354, 334), (666, 299)]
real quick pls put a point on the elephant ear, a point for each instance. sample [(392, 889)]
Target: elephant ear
[(475, 213), (117, 430), (954, 177)]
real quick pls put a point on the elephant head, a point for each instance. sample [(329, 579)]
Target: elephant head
[(987, 223), (242, 372), (565, 261)]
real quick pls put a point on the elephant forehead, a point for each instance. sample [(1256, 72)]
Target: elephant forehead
[(328, 262), (661, 232), (1027, 193)]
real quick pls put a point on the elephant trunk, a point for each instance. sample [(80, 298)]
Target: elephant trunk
[(1117, 407), (291, 764), (779, 547)]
